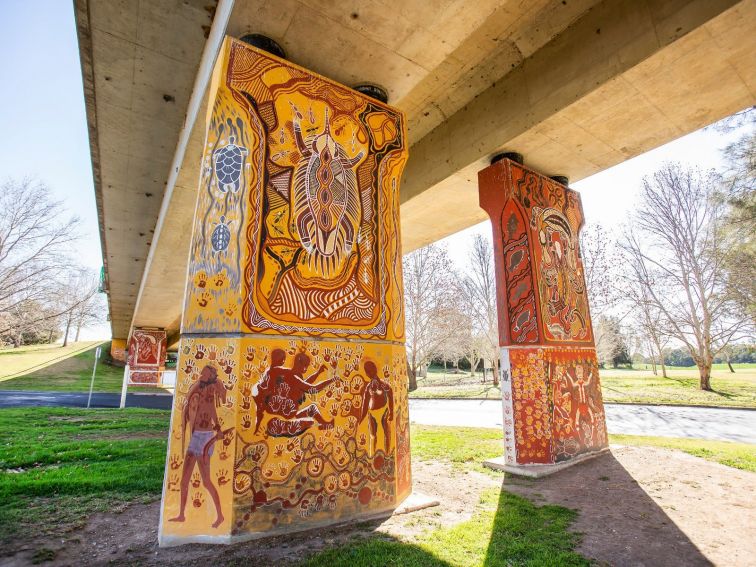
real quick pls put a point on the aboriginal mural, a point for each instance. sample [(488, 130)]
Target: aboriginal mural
[(146, 356), (299, 200), (118, 350), (553, 409), (298, 420)]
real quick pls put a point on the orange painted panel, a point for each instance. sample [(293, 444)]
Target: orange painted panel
[(287, 433), (551, 395), (291, 405), (297, 227)]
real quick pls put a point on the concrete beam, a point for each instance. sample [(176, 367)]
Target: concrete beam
[(626, 77)]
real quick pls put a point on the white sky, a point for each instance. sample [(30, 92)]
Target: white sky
[(43, 122)]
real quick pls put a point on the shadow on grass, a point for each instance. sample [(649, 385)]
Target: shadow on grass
[(72, 372), (504, 530), (723, 394)]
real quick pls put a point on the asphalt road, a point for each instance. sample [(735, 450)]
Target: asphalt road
[(664, 421), (20, 398)]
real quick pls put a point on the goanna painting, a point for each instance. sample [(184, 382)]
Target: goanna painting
[(270, 433), (297, 224), (291, 405), (550, 384)]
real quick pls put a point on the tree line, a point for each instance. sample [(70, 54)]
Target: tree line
[(44, 293)]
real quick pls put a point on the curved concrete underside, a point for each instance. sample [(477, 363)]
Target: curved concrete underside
[(576, 86)]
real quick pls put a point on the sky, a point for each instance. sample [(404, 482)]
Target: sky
[(44, 128)]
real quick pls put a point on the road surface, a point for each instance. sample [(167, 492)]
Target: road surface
[(664, 421), (20, 398)]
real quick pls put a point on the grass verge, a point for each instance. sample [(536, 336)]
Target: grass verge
[(635, 386), (59, 369), (59, 465)]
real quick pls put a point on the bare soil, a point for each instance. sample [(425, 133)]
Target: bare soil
[(638, 506)]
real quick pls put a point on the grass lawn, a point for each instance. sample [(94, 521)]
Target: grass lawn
[(467, 447), (59, 465), (27, 359), (54, 368), (638, 386)]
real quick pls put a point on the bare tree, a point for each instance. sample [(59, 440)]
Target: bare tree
[(429, 306), (608, 339), (648, 317), (28, 323), (89, 312), (477, 289), (78, 301), (677, 255), (35, 238), (601, 259), (452, 346)]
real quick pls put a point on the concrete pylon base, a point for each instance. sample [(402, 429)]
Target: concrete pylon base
[(538, 471), (415, 502)]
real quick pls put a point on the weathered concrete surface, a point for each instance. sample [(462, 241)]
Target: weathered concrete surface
[(627, 77), (139, 59), (594, 83)]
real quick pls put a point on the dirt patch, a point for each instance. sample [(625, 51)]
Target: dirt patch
[(638, 506), (130, 537), (650, 506)]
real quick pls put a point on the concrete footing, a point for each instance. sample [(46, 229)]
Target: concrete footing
[(415, 502), (538, 471)]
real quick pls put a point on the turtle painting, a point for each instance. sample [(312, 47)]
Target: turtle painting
[(221, 235), (228, 162), (327, 209)]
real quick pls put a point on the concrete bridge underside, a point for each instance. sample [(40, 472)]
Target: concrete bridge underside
[(577, 86)]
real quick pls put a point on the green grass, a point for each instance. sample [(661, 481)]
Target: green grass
[(468, 447), (505, 530), (638, 386), (736, 389), (54, 368), (25, 359), (59, 465), (737, 455), (463, 447)]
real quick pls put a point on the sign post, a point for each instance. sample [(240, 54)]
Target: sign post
[(94, 370), (124, 387)]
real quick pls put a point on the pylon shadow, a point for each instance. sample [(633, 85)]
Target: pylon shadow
[(619, 523)]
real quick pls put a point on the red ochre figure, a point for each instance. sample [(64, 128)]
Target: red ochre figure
[(282, 392), (581, 401), (202, 418), (377, 406)]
